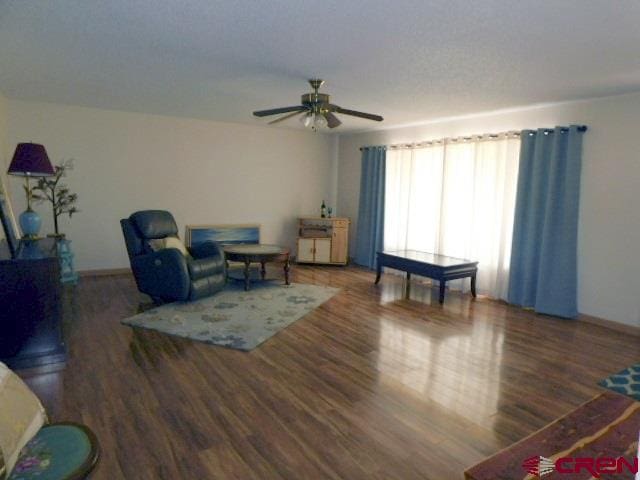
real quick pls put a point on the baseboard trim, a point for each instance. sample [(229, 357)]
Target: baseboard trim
[(104, 272), (620, 327)]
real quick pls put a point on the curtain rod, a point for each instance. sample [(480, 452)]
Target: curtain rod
[(485, 136)]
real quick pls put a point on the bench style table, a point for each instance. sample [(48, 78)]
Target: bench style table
[(437, 267)]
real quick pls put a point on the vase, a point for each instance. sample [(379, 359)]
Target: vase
[(30, 223), (65, 255)]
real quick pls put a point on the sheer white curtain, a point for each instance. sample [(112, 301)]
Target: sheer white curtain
[(456, 199)]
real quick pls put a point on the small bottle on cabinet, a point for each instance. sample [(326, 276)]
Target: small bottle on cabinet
[(323, 210)]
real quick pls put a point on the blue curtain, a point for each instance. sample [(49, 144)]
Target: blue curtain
[(370, 232), (543, 272)]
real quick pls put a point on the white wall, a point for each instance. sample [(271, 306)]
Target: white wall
[(609, 230), (3, 134), (4, 161), (203, 172)]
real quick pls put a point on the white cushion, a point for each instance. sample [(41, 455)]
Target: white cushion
[(168, 242), (21, 416)]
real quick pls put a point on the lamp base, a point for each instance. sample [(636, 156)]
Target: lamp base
[(30, 223)]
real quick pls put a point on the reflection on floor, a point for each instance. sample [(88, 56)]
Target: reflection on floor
[(460, 372)]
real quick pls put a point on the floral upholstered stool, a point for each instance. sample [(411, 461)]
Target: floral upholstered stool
[(59, 451)]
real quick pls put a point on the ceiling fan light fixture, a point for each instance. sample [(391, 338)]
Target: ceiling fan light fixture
[(307, 120), (318, 110), (320, 121)]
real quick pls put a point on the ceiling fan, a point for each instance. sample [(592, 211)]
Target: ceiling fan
[(316, 110)]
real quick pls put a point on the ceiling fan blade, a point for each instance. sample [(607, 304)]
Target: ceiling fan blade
[(288, 115), (276, 111), (354, 113), (332, 120)]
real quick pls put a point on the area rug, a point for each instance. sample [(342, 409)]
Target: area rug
[(626, 382), (234, 318)]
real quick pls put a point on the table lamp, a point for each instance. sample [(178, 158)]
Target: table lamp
[(30, 160)]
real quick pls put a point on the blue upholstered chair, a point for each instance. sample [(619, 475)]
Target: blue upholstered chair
[(166, 274)]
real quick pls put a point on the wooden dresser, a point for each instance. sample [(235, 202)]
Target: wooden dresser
[(323, 240), (31, 305)]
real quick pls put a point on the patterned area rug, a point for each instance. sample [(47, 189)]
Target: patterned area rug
[(626, 382), (234, 318)]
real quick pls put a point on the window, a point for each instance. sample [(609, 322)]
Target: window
[(456, 199)]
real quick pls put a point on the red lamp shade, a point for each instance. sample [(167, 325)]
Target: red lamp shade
[(31, 160)]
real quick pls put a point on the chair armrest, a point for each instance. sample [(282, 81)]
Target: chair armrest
[(206, 267), (206, 249), (208, 259), (162, 274)]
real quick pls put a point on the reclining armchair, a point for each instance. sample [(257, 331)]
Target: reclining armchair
[(167, 274)]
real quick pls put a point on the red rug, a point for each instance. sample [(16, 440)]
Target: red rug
[(599, 439)]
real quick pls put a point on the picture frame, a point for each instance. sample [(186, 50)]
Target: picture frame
[(8, 219), (223, 234)]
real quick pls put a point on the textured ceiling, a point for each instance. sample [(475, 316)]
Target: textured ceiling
[(408, 60)]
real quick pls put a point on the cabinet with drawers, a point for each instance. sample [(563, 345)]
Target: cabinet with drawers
[(323, 240), (31, 305)]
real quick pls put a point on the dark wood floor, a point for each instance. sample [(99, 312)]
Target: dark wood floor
[(368, 386)]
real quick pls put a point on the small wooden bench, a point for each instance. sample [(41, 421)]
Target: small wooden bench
[(602, 431)]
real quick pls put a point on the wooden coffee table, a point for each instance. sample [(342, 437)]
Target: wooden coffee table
[(257, 253), (431, 265)]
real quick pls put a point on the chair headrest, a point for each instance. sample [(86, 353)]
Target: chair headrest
[(154, 224)]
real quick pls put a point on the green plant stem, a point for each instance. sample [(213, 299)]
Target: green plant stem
[(55, 215)]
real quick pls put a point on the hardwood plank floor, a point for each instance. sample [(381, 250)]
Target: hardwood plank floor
[(369, 385)]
